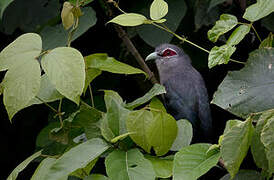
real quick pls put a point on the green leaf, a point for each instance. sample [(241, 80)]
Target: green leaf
[(47, 92), (23, 165), (77, 157), (21, 84), (184, 135), (244, 175), (192, 161), (116, 113), (157, 89), (214, 3), (257, 147), (162, 166), (82, 172), (109, 64), (161, 132), (225, 24), (156, 104), (138, 122), (91, 74), (158, 9), (96, 177), (235, 145), (66, 70), (120, 137), (259, 10), (267, 139), (268, 42), (105, 129), (129, 165), (220, 55), (26, 47), (43, 139), (67, 15), (3, 5), (43, 169), (155, 36), (56, 36), (129, 19), (241, 91), (88, 118), (238, 35)]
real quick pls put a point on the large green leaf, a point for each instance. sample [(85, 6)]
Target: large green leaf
[(77, 157), (3, 5), (158, 9), (257, 147), (43, 169), (65, 68), (156, 104), (235, 145), (82, 172), (130, 165), (161, 132), (47, 92), (225, 24), (138, 122), (267, 138), (259, 10), (244, 175), (129, 19), (238, 35), (23, 165), (109, 64), (27, 46), (184, 135), (155, 36), (220, 55), (162, 166), (249, 90), (57, 36), (157, 89), (21, 84), (192, 161)]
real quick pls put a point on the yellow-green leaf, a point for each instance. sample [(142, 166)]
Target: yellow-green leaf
[(67, 15), (129, 19), (158, 9), (259, 10)]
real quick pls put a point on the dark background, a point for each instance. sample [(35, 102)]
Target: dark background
[(18, 137)]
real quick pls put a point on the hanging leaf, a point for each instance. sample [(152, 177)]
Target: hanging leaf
[(220, 55), (103, 62), (77, 157), (192, 161), (129, 19), (235, 145), (158, 9), (184, 135), (225, 24), (21, 84), (241, 91), (138, 122), (238, 35), (157, 89), (23, 165), (66, 70), (129, 165), (259, 10)]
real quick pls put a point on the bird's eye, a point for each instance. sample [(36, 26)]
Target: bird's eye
[(168, 52)]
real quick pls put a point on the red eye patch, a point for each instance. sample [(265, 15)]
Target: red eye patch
[(169, 52)]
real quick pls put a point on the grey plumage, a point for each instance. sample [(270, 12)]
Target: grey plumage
[(186, 95)]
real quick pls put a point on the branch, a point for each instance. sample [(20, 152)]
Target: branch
[(131, 48)]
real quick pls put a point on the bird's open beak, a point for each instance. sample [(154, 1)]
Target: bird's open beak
[(151, 56)]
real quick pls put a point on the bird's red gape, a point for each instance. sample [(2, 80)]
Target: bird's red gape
[(168, 52)]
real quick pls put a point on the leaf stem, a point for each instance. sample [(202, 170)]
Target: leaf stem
[(256, 33), (91, 95), (52, 108), (60, 113)]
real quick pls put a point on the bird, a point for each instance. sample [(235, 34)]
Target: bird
[(186, 95)]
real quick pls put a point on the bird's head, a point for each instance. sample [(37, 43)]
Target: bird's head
[(168, 54)]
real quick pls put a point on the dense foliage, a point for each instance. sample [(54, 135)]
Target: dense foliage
[(137, 139)]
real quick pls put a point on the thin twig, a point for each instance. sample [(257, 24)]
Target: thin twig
[(60, 113), (256, 33), (91, 95), (52, 108)]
